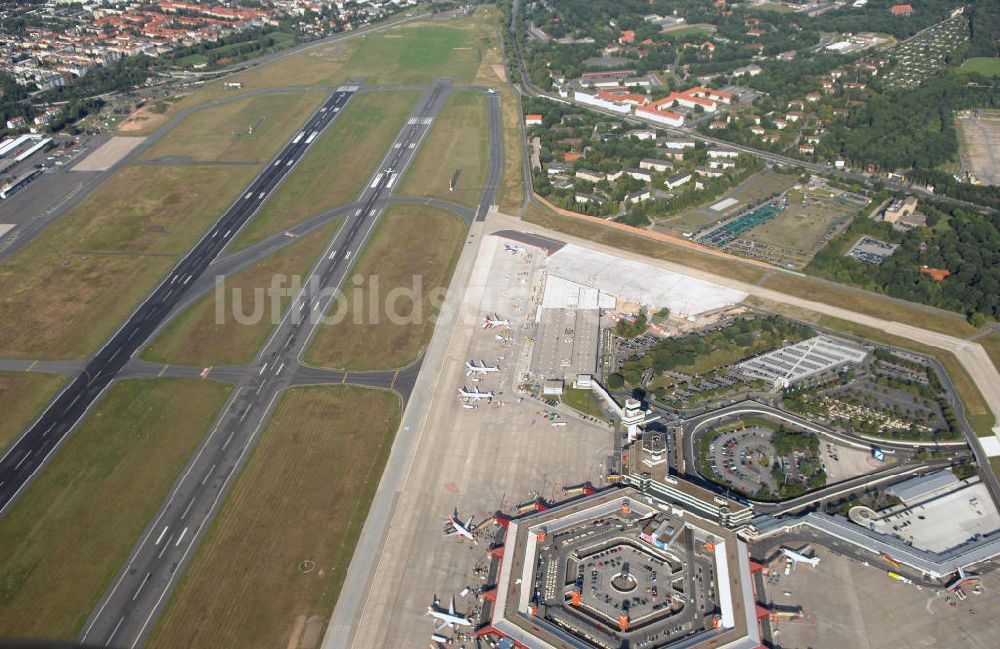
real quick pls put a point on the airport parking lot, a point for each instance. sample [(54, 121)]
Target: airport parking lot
[(741, 458)]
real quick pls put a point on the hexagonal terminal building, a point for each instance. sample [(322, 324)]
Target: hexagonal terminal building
[(620, 569)]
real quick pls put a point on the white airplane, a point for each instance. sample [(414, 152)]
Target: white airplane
[(449, 618), (455, 527), (475, 394), (513, 249), (797, 558), (493, 320), (482, 368)]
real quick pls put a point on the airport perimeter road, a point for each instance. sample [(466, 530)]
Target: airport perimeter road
[(126, 613), (29, 453)]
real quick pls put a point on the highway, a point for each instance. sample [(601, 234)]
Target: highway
[(28, 454), (126, 613)]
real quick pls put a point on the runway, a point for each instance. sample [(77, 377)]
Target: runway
[(30, 452), (126, 613)]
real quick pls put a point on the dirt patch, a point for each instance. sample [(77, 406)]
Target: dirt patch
[(108, 154), (500, 71), (143, 119)]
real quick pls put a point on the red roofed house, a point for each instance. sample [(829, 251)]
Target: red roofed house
[(628, 36), (532, 120), (656, 114), (707, 93), (937, 274), (624, 97), (902, 10)]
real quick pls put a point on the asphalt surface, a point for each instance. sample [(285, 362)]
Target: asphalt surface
[(31, 227), (126, 613), (29, 453)]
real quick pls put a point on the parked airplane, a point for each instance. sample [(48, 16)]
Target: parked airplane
[(482, 368), (475, 394), (493, 320), (449, 618), (797, 558), (455, 527), (514, 250)]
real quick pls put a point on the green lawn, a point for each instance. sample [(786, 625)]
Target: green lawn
[(68, 535), (689, 32), (582, 401), (23, 395), (459, 138), (416, 54), (192, 60), (304, 495), (413, 248), (338, 165), (195, 337), (986, 66), (73, 285), (251, 129)]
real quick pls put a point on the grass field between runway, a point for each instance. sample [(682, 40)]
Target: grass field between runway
[(64, 540), (415, 54), (251, 129), (411, 54), (23, 395), (458, 138), (67, 290), (410, 244), (334, 171), (281, 544), (196, 337)]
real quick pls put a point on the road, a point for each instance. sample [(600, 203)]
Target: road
[(529, 89), (29, 453), (125, 614), (969, 354)]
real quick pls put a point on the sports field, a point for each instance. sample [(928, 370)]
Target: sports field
[(457, 141), (66, 291), (412, 248), (986, 66), (23, 396), (338, 165), (68, 535), (195, 337), (249, 130), (281, 544)]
